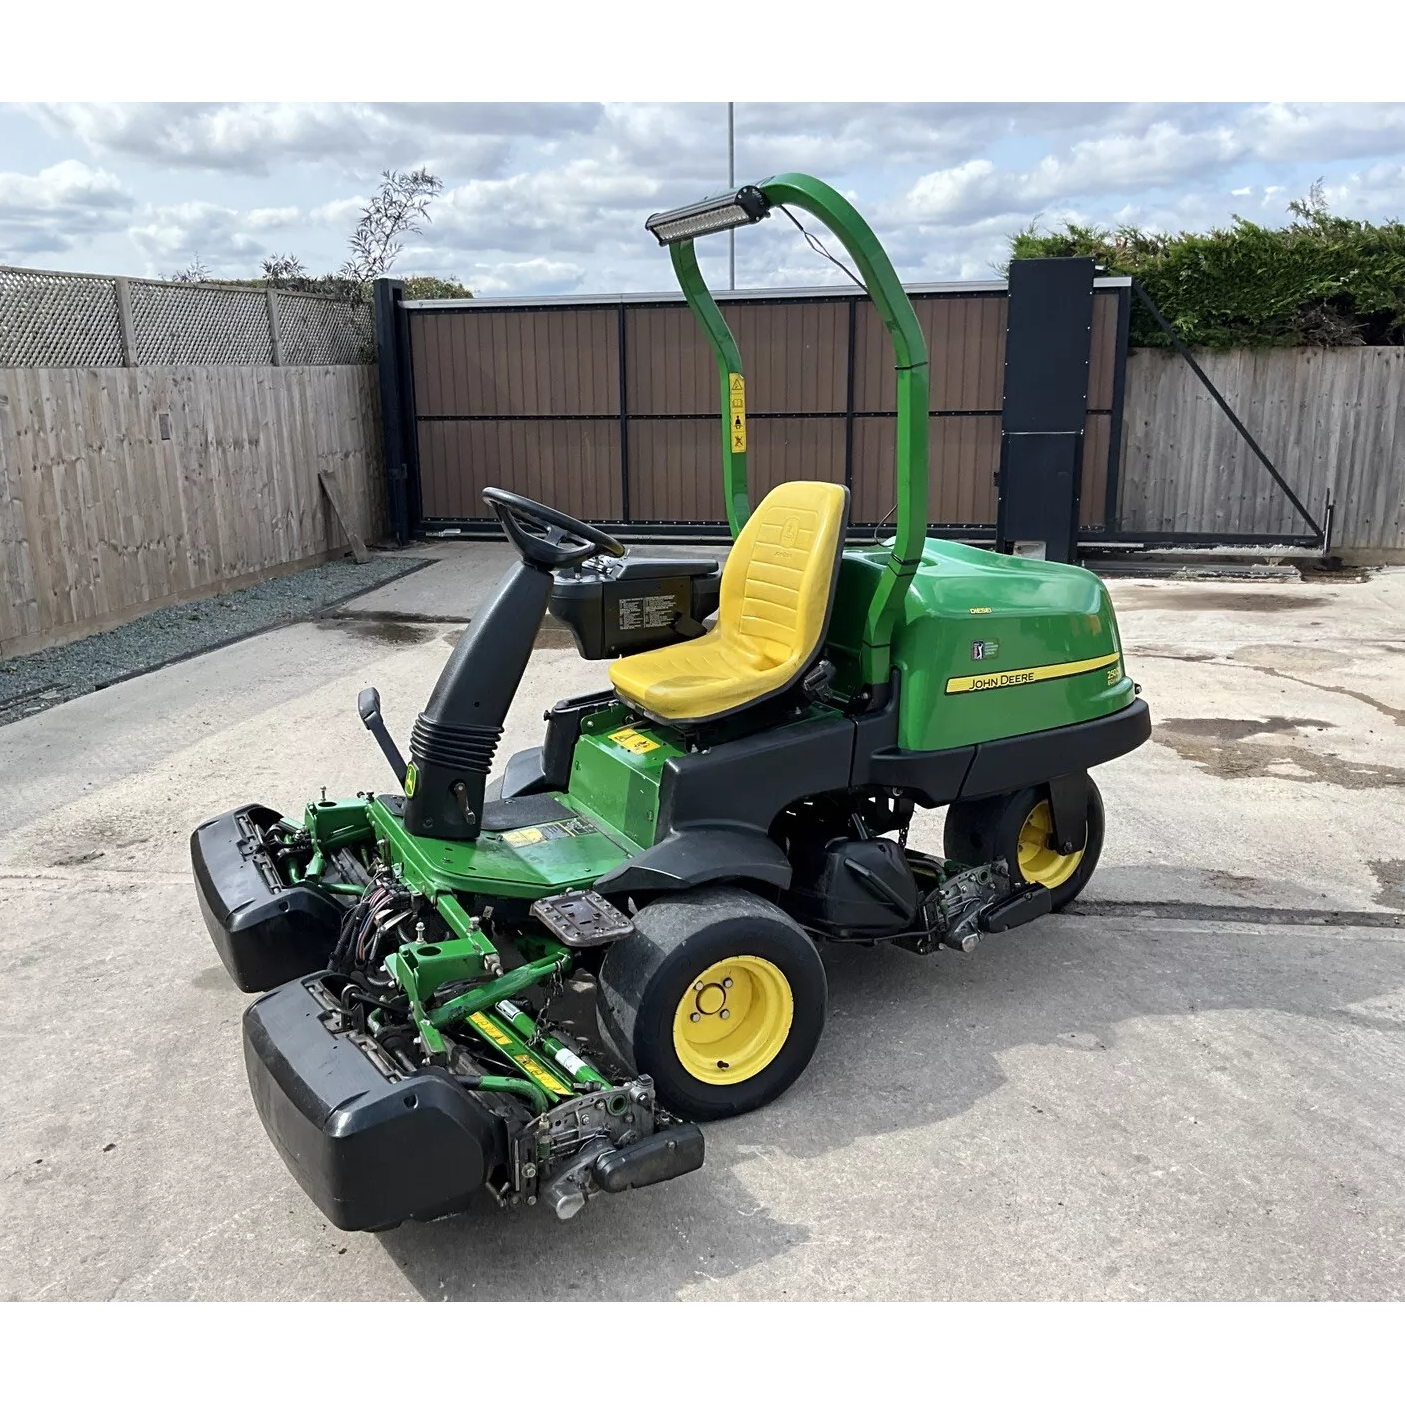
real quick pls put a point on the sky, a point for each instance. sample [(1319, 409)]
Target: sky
[(551, 198)]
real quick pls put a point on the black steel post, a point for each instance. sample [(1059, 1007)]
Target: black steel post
[(1119, 402), (387, 294), (624, 417)]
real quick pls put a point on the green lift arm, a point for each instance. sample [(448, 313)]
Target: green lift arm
[(747, 205)]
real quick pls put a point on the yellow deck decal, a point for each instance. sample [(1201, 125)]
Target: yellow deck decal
[(542, 1075), (737, 411), (519, 838), (488, 1029), (633, 741), (1011, 678)]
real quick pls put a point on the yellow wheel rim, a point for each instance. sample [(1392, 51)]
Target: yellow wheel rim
[(1038, 862), (733, 1020)]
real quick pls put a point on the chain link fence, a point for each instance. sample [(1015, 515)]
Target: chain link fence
[(81, 319)]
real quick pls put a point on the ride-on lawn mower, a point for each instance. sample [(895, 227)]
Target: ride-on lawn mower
[(680, 842)]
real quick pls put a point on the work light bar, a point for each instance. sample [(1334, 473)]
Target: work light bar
[(737, 207)]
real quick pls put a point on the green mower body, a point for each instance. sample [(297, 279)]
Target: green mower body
[(537, 986)]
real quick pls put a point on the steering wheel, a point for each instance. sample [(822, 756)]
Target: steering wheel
[(546, 537)]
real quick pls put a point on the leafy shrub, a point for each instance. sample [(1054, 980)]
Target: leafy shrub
[(1321, 280)]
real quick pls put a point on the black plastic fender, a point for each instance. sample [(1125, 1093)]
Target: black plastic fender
[(368, 1149), (265, 935), (687, 858)]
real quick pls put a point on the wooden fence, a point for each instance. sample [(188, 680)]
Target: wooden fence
[(1332, 421), (122, 490)]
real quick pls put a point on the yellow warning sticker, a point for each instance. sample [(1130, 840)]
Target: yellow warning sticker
[(542, 1074), (520, 838), (736, 411), (488, 1029), (982, 682), (633, 741)]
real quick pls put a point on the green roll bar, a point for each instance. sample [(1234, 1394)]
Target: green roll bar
[(910, 350)]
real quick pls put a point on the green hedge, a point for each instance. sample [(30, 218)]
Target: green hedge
[(1319, 281)]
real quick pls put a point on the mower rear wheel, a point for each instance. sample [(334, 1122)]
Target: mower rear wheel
[(718, 996), (1018, 827)]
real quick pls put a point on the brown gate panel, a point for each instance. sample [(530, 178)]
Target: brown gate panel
[(572, 464), (670, 370), (609, 409), (965, 348), (676, 471), (1092, 491), (963, 452), (528, 361), (795, 355)]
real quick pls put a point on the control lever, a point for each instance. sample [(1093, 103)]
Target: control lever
[(815, 683), (368, 704)]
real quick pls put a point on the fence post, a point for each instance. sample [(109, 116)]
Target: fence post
[(396, 425), (123, 289), (275, 334)]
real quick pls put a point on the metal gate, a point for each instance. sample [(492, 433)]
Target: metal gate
[(606, 407)]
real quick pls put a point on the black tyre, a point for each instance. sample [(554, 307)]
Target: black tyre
[(1015, 827), (718, 996)]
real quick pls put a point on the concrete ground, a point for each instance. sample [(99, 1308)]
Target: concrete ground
[(1189, 1089)]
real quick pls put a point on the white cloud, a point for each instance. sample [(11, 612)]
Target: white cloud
[(537, 275), (280, 218), (170, 236), (52, 211), (463, 138), (552, 197)]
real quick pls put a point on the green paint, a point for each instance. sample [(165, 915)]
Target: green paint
[(729, 361), (522, 1087), (885, 603), (574, 1069), (421, 968), (517, 865), (483, 997), (622, 785), (333, 824), (550, 1083), (1038, 612)]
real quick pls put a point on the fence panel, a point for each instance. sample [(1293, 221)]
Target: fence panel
[(122, 490), (83, 319), (1331, 420)]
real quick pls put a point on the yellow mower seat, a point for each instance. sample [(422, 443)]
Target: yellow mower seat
[(777, 589)]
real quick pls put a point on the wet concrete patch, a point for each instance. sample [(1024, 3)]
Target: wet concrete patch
[(1226, 748), (392, 632), (1157, 597), (1390, 881), (1234, 729)]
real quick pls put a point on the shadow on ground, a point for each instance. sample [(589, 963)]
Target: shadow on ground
[(911, 1042)]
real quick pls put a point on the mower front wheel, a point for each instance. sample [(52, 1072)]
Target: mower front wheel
[(718, 996), (1018, 827)]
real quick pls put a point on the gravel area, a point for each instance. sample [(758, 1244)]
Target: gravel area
[(34, 682)]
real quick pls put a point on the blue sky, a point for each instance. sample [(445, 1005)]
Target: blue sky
[(551, 198)]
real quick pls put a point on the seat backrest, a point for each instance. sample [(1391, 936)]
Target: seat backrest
[(778, 583)]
